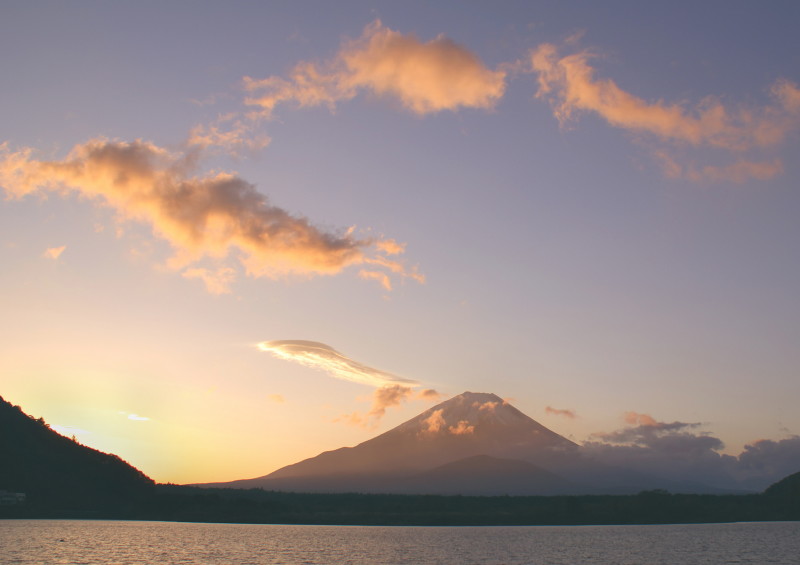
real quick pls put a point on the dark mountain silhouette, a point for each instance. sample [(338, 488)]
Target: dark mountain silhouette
[(58, 472), (787, 488), (437, 453)]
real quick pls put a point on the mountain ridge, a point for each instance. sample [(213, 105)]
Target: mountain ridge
[(47, 466)]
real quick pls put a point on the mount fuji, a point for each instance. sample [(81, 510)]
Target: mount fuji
[(471, 444)]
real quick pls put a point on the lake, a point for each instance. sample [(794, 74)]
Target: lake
[(119, 542)]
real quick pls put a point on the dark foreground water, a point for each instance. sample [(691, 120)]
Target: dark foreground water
[(101, 542)]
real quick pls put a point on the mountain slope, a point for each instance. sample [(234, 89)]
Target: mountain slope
[(465, 426), (54, 470), (788, 487), (485, 475), (468, 424)]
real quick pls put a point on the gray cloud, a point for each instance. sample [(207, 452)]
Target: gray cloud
[(678, 452), (766, 461)]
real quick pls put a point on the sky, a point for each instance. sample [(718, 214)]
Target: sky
[(235, 235)]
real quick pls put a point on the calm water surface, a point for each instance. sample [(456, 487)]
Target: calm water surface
[(101, 542)]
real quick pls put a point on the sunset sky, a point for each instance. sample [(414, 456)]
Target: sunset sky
[(236, 234)]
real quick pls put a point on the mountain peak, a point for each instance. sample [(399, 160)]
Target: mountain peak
[(478, 415), (472, 423), (479, 396)]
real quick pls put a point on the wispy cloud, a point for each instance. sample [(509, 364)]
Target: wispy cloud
[(216, 215), (217, 282), (70, 431), (237, 134), (425, 77), (569, 82), (54, 252), (739, 171), (134, 417)]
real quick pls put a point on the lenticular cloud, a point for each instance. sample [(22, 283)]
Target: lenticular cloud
[(323, 357), (391, 390)]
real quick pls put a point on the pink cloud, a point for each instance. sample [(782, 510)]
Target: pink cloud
[(54, 252)]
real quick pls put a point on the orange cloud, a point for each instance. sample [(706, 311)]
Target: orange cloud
[(429, 394), (217, 215), (488, 406), (382, 278), (424, 77), (217, 282), (391, 247), (636, 419), (570, 84), (738, 171), (560, 412), (386, 397), (54, 252), (232, 132), (383, 398), (435, 422), (462, 428)]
